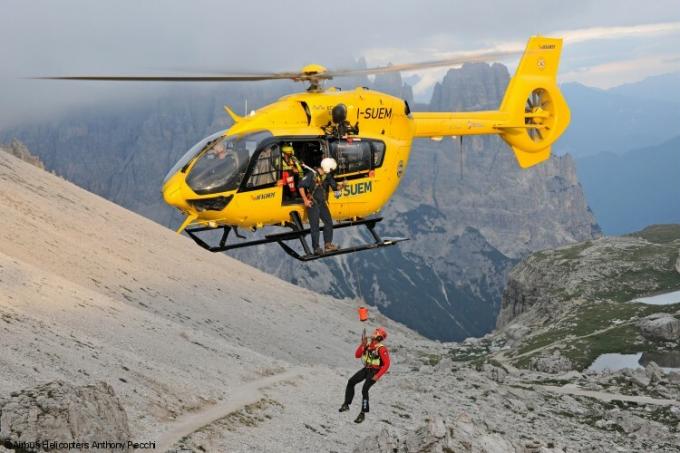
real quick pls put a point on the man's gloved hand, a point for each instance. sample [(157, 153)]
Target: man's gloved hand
[(337, 194), (308, 203)]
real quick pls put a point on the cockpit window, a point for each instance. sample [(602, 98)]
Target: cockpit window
[(189, 155), (223, 162)]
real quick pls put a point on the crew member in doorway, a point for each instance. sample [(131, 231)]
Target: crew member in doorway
[(376, 361), (291, 168), (314, 189)]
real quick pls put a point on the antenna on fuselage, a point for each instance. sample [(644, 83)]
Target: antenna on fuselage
[(462, 162)]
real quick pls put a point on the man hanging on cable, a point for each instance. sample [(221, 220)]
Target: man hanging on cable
[(376, 361)]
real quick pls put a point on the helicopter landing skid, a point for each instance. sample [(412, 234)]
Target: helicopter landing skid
[(298, 233)]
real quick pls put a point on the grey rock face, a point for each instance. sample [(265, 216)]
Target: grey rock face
[(548, 283), (438, 435), (662, 326), (553, 363), (60, 412), (18, 149), (475, 86)]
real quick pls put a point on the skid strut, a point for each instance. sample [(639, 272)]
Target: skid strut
[(298, 233)]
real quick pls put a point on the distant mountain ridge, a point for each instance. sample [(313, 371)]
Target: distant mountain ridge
[(663, 87), (607, 121), (631, 190)]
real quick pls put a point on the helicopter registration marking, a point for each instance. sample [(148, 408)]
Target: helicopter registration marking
[(358, 188), (376, 113)]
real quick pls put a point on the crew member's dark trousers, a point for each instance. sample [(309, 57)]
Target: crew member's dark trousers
[(364, 373), (320, 210)]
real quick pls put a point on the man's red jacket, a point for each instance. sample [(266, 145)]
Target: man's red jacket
[(384, 358)]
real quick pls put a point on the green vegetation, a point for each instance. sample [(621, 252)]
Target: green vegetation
[(578, 341), (659, 234), (622, 339), (431, 359), (570, 253), (592, 312)]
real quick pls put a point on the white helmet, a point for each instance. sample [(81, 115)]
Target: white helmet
[(328, 165)]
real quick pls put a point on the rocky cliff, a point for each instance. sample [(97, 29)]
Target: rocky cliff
[(471, 214), (18, 149), (581, 300)]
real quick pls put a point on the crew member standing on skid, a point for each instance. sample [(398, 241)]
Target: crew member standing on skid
[(314, 189), (376, 361)]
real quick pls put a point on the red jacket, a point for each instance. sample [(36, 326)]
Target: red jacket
[(384, 358)]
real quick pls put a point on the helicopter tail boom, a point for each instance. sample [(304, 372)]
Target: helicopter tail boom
[(532, 115)]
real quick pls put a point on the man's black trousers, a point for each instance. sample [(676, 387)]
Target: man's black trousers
[(364, 373), (320, 210)]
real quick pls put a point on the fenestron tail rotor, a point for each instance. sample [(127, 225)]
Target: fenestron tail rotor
[(539, 114)]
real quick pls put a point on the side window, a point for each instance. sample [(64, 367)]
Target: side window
[(352, 157), (378, 153), (264, 172)]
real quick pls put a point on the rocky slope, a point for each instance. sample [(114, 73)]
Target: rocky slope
[(18, 149), (470, 215), (579, 301), (208, 354)]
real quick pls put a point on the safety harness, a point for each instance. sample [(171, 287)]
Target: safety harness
[(371, 357)]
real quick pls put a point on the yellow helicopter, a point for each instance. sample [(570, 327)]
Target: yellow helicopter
[(233, 178)]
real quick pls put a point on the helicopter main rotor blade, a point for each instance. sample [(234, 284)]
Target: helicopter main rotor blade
[(297, 76), (180, 78), (453, 61)]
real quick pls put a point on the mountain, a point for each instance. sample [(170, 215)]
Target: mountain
[(475, 86), (663, 88), (605, 121), (470, 215), (18, 149), (107, 315), (579, 301), (630, 190)]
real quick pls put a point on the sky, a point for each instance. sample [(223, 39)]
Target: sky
[(607, 42)]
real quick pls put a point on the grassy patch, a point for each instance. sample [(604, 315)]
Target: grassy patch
[(659, 234), (543, 339), (622, 339), (573, 252), (593, 317), (431, 359)]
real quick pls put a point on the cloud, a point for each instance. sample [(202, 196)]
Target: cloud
[(596, 33), (601, 75), (615, 73)]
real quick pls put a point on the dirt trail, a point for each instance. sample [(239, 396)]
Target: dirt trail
[(573, 389), (246, 394)]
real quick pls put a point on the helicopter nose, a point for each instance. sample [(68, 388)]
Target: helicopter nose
[(173, 195)]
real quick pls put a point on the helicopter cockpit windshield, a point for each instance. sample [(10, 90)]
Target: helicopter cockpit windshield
[(222, 162)]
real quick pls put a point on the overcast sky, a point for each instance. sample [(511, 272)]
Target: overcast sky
[(608, 42)]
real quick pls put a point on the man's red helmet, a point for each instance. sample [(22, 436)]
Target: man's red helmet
[(380, 332)]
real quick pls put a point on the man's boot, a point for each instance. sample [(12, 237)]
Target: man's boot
[(344, 408), (360, 417), (330, 247)]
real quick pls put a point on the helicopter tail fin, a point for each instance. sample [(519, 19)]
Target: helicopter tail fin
[(537, 113)]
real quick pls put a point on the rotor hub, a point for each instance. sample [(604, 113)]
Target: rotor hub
[(315, 74)]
